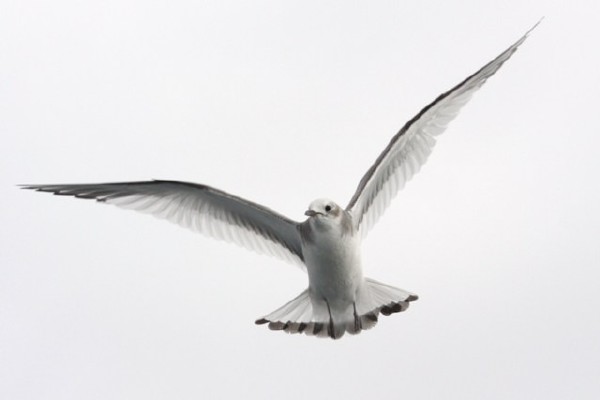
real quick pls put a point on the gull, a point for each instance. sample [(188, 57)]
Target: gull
[(339, 298)]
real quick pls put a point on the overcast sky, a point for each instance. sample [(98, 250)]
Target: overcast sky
[(282, 102)]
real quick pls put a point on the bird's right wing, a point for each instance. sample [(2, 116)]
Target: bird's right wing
[(201, 208)]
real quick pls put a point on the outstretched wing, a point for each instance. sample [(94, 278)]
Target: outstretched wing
[(409, 148), (201, 208)]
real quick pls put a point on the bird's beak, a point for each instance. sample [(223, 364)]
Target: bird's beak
[(310, 213)]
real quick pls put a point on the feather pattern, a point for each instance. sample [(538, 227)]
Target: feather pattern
[(409, 148), (200, 208)]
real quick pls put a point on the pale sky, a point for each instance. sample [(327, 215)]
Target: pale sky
[(282, 103)]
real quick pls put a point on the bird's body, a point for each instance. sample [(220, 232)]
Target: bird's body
[(332, 258), (331, 249), (339, 298)]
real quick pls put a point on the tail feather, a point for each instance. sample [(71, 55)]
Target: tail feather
[(317, 317), (390, 299)]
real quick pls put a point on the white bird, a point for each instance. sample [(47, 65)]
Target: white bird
[(339, 298)]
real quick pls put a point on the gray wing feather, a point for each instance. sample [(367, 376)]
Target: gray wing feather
[(409, 148), (201, 208)]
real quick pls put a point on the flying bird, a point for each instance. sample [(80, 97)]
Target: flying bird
[(339, 298)]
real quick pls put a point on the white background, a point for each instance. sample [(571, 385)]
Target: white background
[(284, 102)]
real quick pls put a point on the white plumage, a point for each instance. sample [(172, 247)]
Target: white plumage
[(339, 298)]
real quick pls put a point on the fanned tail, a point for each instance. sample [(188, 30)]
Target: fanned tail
[(321, 318)]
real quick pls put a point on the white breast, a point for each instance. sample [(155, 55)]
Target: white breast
[(332, 258)]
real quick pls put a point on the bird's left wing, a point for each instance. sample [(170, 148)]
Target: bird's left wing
[(409, 148), (201, 208)]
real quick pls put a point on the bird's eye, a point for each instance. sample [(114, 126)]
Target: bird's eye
[(327, 208)]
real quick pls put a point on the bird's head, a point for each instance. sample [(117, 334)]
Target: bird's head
[(323, 208)]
